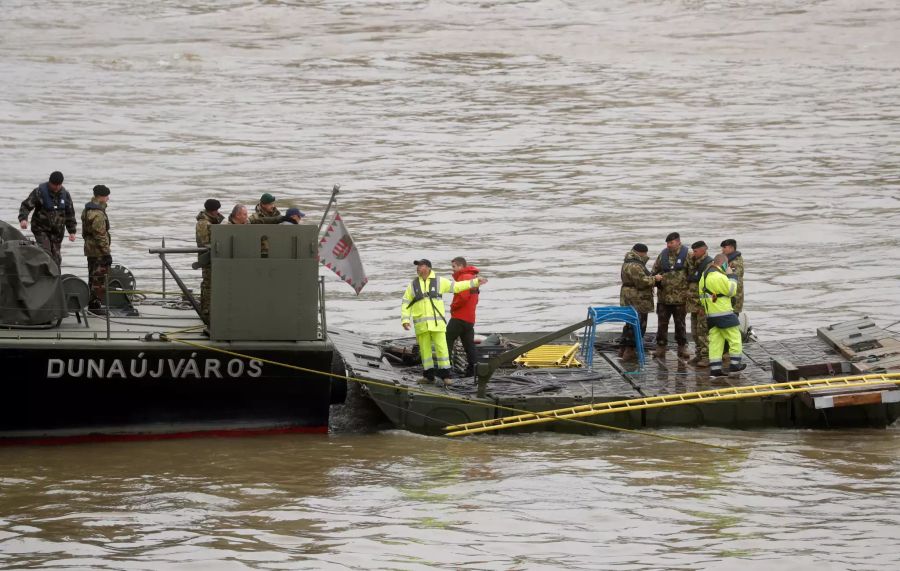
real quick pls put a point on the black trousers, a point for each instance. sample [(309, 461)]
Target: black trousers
[(677, 313), (628, 331), (464, 331)]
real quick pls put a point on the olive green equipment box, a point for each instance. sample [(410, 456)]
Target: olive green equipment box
[(265, 284)]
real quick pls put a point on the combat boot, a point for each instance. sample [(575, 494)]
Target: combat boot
[(629, 354), (702, 362), (660, 351), (683, 352)]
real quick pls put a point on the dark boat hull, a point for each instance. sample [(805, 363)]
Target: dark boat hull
[(115, 390)]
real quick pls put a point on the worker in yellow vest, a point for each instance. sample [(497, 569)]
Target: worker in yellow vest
[(423, 307), (717, 286)]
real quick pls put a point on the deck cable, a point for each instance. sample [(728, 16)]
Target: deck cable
[(412, 390)]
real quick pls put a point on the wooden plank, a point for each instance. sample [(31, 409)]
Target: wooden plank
[(856, 399), (816, 370), (784, 371), (848, 327), (882, 365), (864, 323), (849, 397)]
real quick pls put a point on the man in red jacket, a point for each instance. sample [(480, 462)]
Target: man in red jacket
[(462, 313)]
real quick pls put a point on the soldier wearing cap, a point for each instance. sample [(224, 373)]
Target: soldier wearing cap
[(636, 291), (696, 265), (205, 220), (423, 309), (97, 240), (670, 270), (54, 214), (736, 263), (266, 212)]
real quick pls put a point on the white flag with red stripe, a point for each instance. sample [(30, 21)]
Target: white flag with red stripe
[(338, 252)]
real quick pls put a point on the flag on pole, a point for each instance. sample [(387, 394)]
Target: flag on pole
[(339, 253)]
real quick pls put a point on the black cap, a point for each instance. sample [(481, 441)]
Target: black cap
[(640, 248), (56, 177), (211, 205), (673, 236), (729, 242), (101, 190), (698, 244), (422, 261)]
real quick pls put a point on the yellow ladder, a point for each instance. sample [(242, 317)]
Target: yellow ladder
[(730, 393), (550, 356)]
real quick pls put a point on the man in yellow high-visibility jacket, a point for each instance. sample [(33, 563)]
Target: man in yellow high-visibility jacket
[(424, 308), (717, 286)]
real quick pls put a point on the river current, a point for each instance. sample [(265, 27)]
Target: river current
[(539, 139)]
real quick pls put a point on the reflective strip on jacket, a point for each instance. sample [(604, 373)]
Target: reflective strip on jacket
[(428, 314), (716, 289)]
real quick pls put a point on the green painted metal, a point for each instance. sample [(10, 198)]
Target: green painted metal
[(264, 283)]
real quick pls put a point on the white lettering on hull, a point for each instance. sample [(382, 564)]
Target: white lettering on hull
[(140, 367)]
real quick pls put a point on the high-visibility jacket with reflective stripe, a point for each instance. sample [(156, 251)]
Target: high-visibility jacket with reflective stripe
[(428, 314), (716, 289)]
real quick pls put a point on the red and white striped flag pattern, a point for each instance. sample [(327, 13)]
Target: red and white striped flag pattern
[(338, 252)]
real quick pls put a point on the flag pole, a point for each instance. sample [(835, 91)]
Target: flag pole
[(334, 192)]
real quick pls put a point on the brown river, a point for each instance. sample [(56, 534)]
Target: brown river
[(540, 139)]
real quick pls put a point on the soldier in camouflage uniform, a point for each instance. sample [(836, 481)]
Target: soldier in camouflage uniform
[(697, 263), (670, 270), (205, 219), (637, 291), (736, 263), (95, 230), (53, 215), (266, 212)]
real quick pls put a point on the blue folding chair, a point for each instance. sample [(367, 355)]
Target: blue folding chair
[(613, 313)]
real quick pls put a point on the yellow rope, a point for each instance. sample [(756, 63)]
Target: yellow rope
[(446, 397)]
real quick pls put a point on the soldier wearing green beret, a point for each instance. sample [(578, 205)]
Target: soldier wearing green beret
[(266, 212), (205, 220)]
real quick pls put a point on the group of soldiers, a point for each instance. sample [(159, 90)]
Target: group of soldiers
[(54, 215), (687, 281), (265, 212)]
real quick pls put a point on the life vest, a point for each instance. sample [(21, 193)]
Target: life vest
[(694, 277), (418, 295), (680, 259), (50, 205)]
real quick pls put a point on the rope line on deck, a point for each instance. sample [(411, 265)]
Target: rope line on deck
[(445, 397)]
